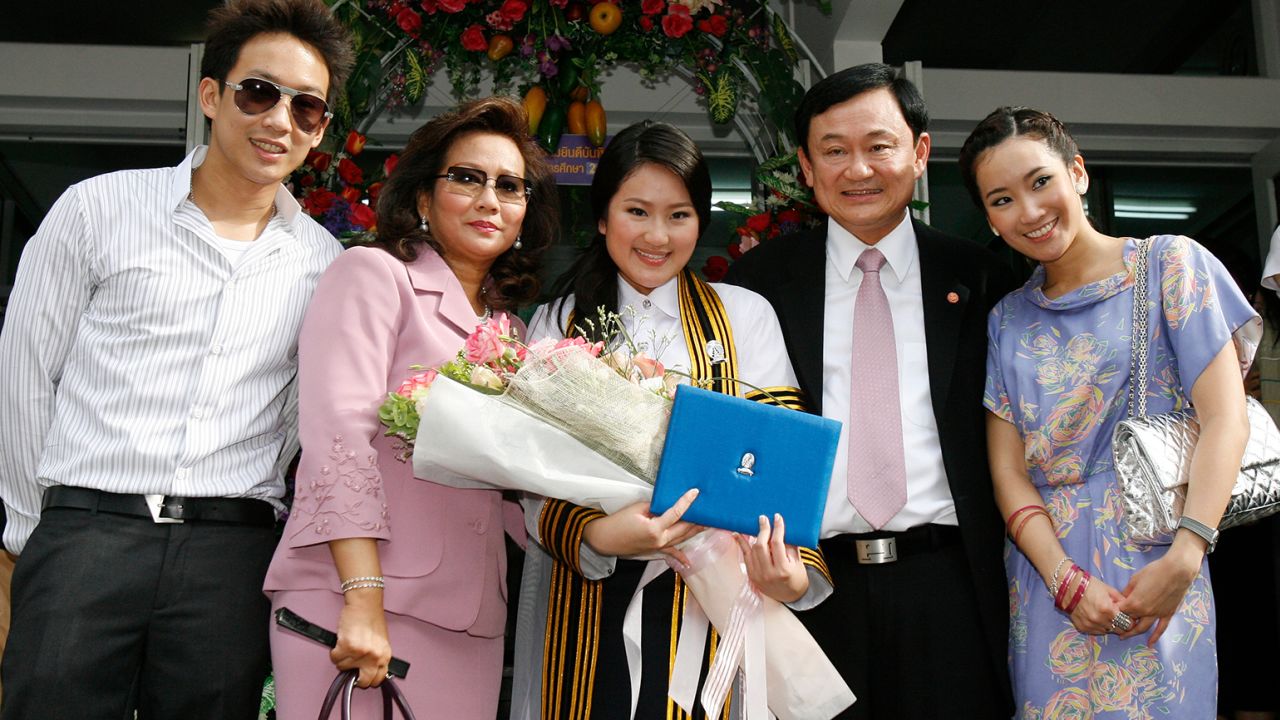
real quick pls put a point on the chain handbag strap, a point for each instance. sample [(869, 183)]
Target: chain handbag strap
[(1139, 339)]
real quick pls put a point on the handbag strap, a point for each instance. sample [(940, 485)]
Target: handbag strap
[(344, 684), (1139, 337)]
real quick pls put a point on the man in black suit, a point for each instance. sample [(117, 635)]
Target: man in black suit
[(918, 621)]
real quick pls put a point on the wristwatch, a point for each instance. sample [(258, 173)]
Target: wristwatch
[(1208, 534)]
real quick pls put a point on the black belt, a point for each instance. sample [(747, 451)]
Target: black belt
[(886, 547), (169, 508)]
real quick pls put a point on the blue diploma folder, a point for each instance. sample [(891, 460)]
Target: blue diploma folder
[(747, 459)]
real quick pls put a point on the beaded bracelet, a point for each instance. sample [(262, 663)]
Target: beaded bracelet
[(363, 581), (1053, 583), (1079, 595), (356, 586)]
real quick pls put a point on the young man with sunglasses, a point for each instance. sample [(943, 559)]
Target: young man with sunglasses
[(149, 407)]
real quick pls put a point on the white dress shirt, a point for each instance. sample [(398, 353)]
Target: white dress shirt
[(138, 359), (928, 494)]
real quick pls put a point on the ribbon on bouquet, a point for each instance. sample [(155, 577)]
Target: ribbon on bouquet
[(742, 637)]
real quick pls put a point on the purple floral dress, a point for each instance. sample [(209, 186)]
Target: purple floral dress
[(1058, 369)]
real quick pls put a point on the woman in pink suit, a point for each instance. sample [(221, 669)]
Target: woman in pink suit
[(397, 563)]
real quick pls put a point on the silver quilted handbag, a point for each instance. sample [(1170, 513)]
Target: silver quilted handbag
[(1152, 453)]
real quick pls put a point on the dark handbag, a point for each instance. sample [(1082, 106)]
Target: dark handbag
[(344, 684), (1152, 453)]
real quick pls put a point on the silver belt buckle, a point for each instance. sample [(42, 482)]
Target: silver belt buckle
[(877, 551), (155, 503)]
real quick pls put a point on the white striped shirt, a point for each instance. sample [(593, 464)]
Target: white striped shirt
[(137, 359)]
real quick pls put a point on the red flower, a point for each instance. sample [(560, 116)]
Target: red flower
[(318, 201), (652, 7), (319, 160), (735, 250), (350, 172), (307, 180), (645, 23), (790, 216), (513, 10), (389, 165), (449, 6), (374, 189), (409, 21), (560, 3), (351, 194), (716, 25), (677, 21), (715, 268), (759, 223), (355, 143), (362, 215), (473, 38)]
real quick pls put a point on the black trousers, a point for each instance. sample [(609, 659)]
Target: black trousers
[(906, 637), (112, 612)]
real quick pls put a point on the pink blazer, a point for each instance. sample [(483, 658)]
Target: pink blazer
[(442, 549)]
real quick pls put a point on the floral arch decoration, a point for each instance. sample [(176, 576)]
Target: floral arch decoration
[(740, 56)]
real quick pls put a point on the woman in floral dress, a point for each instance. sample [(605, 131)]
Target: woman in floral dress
[(1130, 632)]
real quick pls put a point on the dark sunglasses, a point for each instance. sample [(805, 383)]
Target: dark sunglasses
[(255, 95), (471, 182)]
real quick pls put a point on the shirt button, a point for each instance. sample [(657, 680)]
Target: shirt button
[(197, 413), (216, 349), (183, 473), (647, 303)]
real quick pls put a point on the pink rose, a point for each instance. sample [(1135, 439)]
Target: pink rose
[(484, 345), (417, 384), (648, 367), (592, 349)]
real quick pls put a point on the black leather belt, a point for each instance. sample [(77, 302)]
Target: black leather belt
[(163, 508), (886, 547)]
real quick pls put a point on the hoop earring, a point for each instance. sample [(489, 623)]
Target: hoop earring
[(518, 243), (423, 226)]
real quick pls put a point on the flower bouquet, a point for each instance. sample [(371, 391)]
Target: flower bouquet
[(570, 420)]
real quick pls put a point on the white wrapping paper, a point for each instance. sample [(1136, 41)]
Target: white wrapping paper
[(469, 439)]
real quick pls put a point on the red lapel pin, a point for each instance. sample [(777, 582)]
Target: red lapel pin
[(953, 298)]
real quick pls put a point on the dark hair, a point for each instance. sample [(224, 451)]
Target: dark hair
[(232, 25), (1007, 122), (851, 82), (514, 272), (593, 277)]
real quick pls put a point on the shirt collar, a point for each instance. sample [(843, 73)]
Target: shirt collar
[(287, 207), (664, 298), (899, 248)]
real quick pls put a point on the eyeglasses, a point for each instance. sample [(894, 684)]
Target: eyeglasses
[(470, 182), (255, 95)]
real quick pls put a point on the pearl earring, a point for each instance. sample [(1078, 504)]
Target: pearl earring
[(423, 226), (994, 231), (1081, 187), (518, 244)]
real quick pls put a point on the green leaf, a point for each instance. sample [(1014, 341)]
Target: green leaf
[(722, 96), (735, 208), (779, 162), (783, 36), (415, 76)]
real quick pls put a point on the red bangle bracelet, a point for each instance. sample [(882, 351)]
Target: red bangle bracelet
[(1066, 583), (1038, 511), (1075, 599), (1008, 525)]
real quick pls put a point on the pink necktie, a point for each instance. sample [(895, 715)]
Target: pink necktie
[(877, 470)]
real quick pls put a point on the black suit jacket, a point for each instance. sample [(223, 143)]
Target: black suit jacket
[(791, 273)]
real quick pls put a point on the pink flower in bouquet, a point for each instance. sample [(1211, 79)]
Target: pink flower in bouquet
[(648, 367), (485, 345), (592, 349), (417, 384)]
